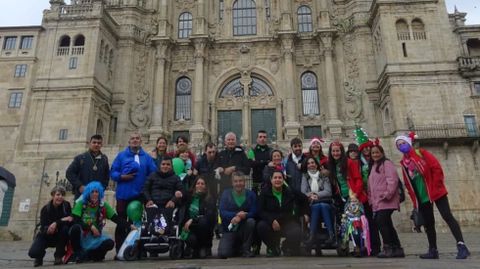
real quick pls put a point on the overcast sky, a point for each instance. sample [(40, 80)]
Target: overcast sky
[(29, 12)]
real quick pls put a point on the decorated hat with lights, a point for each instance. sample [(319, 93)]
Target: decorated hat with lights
[(362, 138)]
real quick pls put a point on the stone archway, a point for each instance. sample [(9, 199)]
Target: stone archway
[(245, 104)]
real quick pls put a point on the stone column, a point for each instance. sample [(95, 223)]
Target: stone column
[(157, 127), (246, 81), (333, 122), (163, 18), (197, 130), (200, 20), (291, 125), (286, 15)]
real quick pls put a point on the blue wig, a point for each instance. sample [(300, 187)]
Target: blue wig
[(94, 185)]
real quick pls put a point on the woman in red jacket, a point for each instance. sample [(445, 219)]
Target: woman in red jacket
[(424, 180)]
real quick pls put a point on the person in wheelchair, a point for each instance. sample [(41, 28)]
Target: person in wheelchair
[(198, 218), (163, 191), (316, 186), (280, 208)]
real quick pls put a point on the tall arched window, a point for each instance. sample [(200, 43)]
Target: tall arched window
[(304, 16), (310, 94), (183, 98), (244, 18), (185, 25), (418, 30), (402, 30)]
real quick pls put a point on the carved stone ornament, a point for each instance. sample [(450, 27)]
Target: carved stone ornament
[(274, 64), (139, 114), (353, 102), (185, 4)]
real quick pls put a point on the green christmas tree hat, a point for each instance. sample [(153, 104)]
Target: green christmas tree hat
[(362, 138)]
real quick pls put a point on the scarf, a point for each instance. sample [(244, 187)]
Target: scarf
[(314, 183)]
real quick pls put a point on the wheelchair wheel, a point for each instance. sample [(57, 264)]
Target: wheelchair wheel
[(131, 253), (176, 250)]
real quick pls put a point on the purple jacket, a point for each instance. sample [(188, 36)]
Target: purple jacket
[(383, 187)]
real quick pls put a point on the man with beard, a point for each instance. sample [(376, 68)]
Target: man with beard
[(294, 164)]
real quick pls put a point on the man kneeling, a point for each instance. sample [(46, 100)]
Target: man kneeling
[(237, 210)]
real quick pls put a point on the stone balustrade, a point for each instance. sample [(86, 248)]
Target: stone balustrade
[(469, 62), (76, 10)]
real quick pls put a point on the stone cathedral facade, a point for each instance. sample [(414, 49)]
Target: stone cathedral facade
[(201, 68)]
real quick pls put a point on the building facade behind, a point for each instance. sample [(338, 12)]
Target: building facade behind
[(202, 68)]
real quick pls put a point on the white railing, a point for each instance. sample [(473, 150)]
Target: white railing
[(80, 10), (403, 35), (469, 62), (419, 36), (78, 50), (62, 51)]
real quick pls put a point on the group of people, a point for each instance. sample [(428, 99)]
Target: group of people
[(286, 193)]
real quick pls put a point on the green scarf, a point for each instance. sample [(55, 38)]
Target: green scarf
[(342, 182), (239, 198), (278, 195)]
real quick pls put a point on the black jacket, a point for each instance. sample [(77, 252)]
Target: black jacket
[(161, 188), (207, 209), (294, 204), (51, 214), (80, 171), (262, 157), (235, 157)]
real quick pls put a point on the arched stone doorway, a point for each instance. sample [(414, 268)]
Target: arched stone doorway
[(245, 104)]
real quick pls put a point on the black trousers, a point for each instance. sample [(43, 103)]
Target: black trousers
[(426, 209), (201, 234), (43, 240), (237, 242), (97, 254), (291, 230), (383, 219), (373, 228)]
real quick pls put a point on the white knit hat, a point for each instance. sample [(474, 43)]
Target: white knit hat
[(404, 138)]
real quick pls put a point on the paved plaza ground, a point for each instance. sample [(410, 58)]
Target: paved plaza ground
[(14, 255)]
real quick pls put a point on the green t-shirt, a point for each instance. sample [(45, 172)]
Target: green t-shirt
[(239, 198), (342, 182), (278, 195), (365, 174), (420, 188), (88, 214)]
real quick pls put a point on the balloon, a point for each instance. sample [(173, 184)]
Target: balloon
[(135, 211), (178, 166)]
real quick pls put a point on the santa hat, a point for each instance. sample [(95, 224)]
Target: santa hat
[(409, 138), (316, 140), (362, 138)]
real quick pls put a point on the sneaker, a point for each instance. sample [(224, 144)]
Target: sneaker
[(463, 252), (37, 262), (431, 254), (248, 254)]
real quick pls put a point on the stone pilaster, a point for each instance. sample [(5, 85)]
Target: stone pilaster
[(292, 125), (157, 127), (197, 131), (333, 122)]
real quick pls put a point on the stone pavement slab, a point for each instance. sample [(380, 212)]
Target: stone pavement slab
[(14, 255)]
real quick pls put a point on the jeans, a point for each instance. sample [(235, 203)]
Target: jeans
[(291, 230), (325, 210), (201, 234)]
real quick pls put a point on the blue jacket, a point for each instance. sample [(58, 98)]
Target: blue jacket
[(229, 209), (124, 162)]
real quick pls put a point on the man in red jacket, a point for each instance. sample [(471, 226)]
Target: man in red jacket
[(424, 180)]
